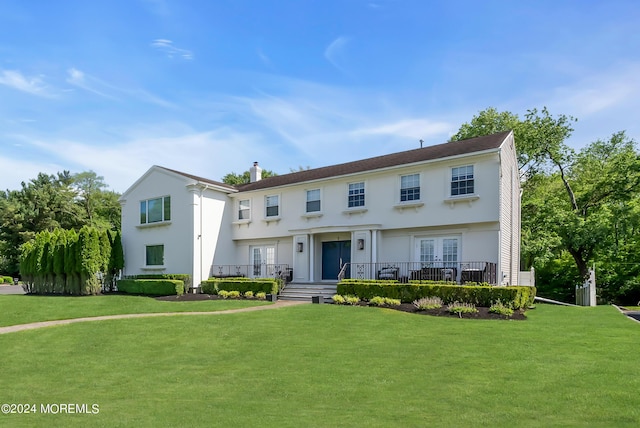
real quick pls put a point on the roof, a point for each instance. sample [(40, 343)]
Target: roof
[(200, 179), (439, 151)]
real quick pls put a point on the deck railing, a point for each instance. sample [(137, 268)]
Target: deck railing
[(282, 271), (460, 272)]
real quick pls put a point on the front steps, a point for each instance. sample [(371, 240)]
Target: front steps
[(305, 291)]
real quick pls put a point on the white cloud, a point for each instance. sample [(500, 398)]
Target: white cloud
[(335, 53), (88, 83), (32, 85), (598, 92), (167, 46), (410, 128)]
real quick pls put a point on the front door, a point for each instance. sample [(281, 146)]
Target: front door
[(334, 255)]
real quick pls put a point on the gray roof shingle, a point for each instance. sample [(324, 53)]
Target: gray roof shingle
[(439, 151)]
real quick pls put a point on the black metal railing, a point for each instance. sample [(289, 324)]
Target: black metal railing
[(459, 272), (282, 271)]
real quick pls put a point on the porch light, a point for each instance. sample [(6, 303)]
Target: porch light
[(300, 247), (360, 244)]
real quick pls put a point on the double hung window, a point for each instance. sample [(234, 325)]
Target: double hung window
[(410, 188), (244, 209), (272, 206), (313, 200), (462, 180), (356, 195)]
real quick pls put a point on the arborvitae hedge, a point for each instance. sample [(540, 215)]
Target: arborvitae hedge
[(519, 297), (66, 262)]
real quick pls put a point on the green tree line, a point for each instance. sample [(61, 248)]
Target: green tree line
[(70, 262), (48, 202), (580, 208)]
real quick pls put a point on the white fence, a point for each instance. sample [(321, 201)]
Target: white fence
[(586, 293)]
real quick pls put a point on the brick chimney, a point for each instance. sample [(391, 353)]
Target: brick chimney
[(255, 173)]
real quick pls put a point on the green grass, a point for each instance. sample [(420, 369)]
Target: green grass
[(22, 309), (329, 365)]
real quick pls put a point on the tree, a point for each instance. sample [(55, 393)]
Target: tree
[(236, 179), (49, 202), (582, 205), (539, 137)]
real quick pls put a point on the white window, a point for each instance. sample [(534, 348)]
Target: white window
[(244, 209), (155, 210), (273, 206), (356, 195), (462, 180), (313, 200), (154, 255), (410, 187)]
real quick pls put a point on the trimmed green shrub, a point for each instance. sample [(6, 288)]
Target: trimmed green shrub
[(223, 293), (248, 294), (518, 297), (255, 285), (151, 287), (261, 295), (6, 280), (185, 278)]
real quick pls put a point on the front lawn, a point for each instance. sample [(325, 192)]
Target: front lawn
[(22, 309), (329, 365)]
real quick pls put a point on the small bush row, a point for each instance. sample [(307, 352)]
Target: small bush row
[(151, 287), (235, 294), (6, 280), (242, 285), (516, 297)]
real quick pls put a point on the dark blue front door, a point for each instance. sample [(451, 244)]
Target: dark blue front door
[(334, 255)]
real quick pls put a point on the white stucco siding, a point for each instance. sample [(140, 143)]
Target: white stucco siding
[(382, 201), (213, 233), (478, 242), (175, 235)]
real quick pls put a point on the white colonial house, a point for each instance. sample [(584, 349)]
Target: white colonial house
[(449, 211)]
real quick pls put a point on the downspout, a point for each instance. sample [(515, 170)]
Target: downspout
[(200, 236)]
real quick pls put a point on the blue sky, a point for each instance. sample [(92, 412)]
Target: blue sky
[(208, 87)]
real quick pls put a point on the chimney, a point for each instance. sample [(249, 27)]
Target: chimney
[(255, 173)]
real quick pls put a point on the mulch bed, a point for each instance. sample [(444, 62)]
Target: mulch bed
[(483, 313)]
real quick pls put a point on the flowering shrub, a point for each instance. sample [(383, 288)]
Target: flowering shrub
[(461, 308), (427, 303)]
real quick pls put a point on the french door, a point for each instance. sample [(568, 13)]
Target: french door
[(438, 252), (262, 259)]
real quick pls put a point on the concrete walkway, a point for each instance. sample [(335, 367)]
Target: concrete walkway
[(11, 289), (41, 324)]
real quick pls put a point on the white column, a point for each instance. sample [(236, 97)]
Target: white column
[(312, 258)]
